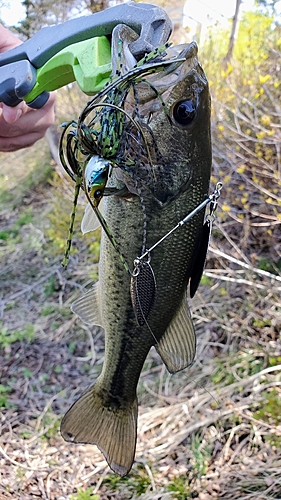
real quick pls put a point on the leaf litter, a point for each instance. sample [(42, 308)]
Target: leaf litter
[(212, 431)]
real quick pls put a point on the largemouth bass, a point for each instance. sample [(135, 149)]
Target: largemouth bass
[(153, 193)]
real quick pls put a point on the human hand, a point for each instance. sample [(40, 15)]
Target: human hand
[(21, 126)]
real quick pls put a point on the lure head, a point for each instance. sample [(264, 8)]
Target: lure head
[(95, 179)]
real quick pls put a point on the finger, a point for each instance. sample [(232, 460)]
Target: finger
[(29, 128), (10, 144), (11, 115)]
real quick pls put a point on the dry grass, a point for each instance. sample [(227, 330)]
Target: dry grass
[(213, 431)]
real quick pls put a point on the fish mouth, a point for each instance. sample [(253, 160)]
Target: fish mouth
[(137, 122)]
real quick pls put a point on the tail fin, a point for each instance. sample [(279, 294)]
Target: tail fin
[(114, 431)]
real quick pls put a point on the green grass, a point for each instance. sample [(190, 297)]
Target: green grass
[(136, 482), (26, 217), (4, 394), (10, 337), (84, 495), (271, 408), (269, 265), (245, 364), (50, 287)]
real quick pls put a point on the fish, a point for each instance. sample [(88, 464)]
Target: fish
[(159, 174)]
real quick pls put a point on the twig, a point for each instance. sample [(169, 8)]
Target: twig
[(29, 288), (233, 244), (243, 264), (18, 464), (46, 408), (237, 280)]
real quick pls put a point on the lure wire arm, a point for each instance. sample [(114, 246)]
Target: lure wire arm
[(212, 199)]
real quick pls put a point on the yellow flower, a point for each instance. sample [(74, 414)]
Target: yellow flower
[(241, 169), (261, 135), (259, 93), (264, 79), (225, 207), (228, 70), (265, 120)]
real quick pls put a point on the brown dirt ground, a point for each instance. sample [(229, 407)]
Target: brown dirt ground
[(213, 431)]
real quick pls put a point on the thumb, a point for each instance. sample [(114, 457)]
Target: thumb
[(11, 115)]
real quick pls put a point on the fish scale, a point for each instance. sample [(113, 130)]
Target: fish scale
[(106, 414), (123, 375)]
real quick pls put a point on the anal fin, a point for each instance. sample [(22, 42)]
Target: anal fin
[(178, 345), (87, 307)]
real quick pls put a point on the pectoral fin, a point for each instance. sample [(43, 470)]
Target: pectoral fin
[(114, 431), (90, 222), (87, 307), (178, 344)]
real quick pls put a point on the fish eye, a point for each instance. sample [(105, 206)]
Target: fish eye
[(184, 112), (98, 194)]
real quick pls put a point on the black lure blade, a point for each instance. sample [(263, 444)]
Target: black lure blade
[(143, 291), (199, 263)]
